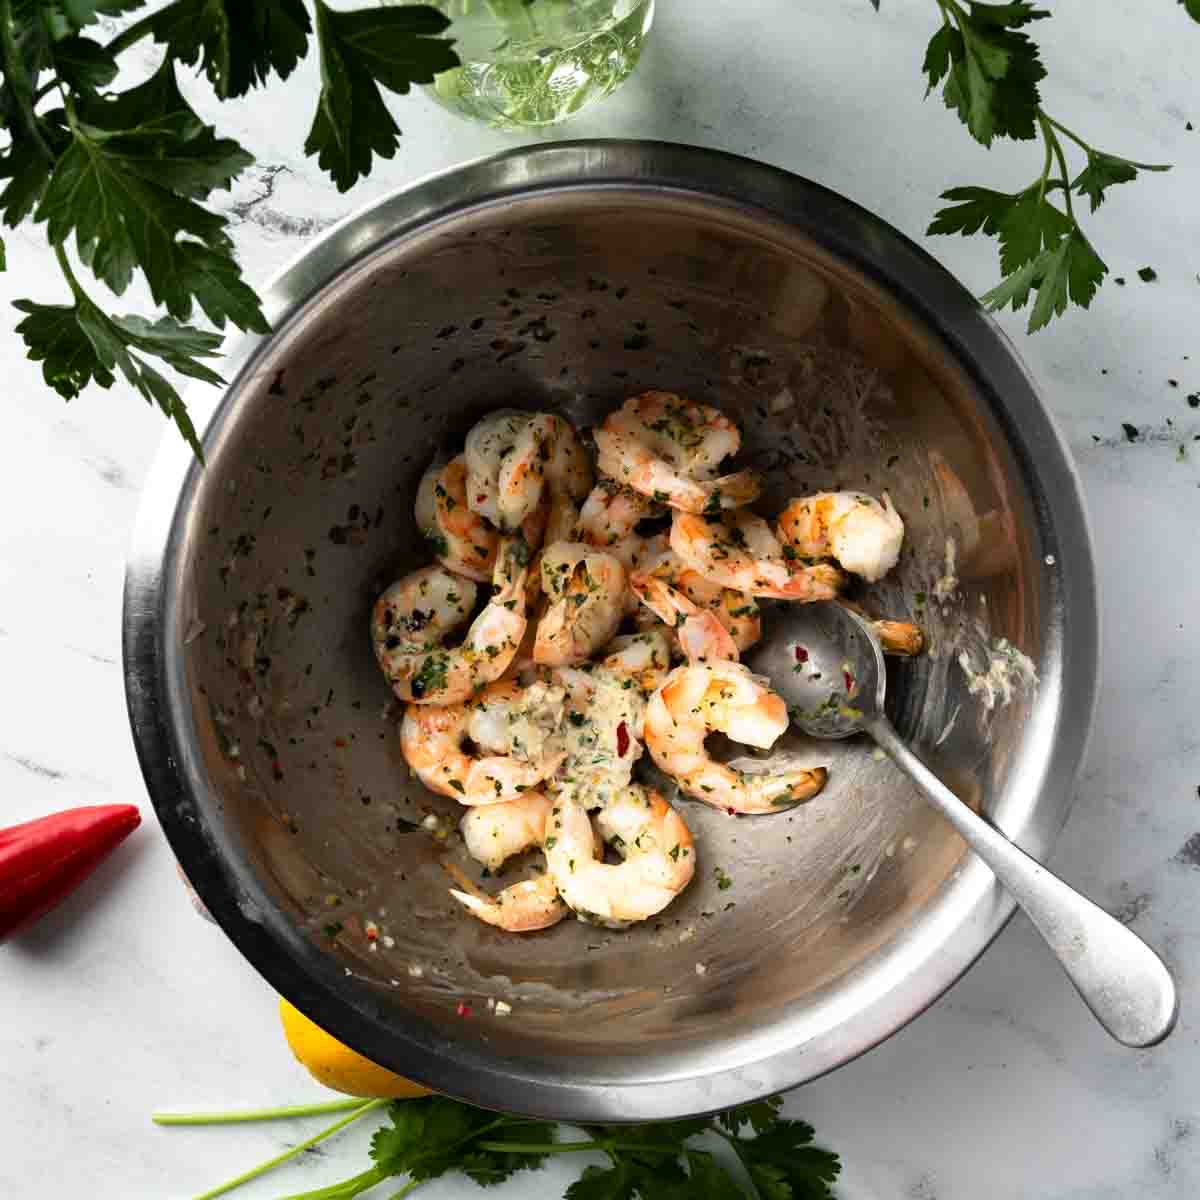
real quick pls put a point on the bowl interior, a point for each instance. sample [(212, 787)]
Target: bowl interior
[(571, 301)]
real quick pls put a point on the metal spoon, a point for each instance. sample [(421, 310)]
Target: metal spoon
[(826, 663)]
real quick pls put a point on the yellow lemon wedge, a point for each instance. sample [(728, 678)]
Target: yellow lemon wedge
[(337, 1066)]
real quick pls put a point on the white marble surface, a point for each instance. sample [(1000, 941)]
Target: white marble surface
[(124, 1001)]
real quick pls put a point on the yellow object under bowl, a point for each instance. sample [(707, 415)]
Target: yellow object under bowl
[(337, 1066)]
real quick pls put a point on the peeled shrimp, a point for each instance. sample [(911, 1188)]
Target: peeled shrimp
[(496, 832), (862, 533), (701, 634), (413, 618), (606, 718), (585, 590), (514, 726), (522, 722), (504, 482), (523, 907), (611, 513), (723, 697), (462, 540), (688, 592), (644, 658), (562, 519), (511, 456), (567, 467), (659, 857), (670, 449), (739, 551), (902, 639)]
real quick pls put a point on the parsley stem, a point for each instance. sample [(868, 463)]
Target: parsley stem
[(135, 33), (256, 1114), (1052, 143), (1045, 116), (408, 1187), (347, 1187), (1090, 150), (1047, 138), (262, 1168), (19, 82), (64, 265)]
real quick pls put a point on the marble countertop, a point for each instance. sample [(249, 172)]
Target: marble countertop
[(124, 1001)]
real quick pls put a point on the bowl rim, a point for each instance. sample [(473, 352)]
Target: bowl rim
[(961, 921)]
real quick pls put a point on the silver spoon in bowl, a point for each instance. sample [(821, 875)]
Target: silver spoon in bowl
[(827, 664)]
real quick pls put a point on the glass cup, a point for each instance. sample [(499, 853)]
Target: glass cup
[(532, 63)]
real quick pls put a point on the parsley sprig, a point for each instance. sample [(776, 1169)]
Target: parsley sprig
[(124, 177), (427, 1138), (989, 71)]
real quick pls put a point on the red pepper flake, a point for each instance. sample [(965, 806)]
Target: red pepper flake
[(340, 743), (463, 1010), (732, 812), (848, 679), (276, 770), (622, 740), (801, 654)]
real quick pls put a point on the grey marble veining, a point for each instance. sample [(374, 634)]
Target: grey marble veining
[(124, 1001)]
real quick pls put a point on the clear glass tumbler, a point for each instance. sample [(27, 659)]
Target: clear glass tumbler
[(532, 63)]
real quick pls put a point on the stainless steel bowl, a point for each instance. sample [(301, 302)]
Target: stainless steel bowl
[(568, 276)]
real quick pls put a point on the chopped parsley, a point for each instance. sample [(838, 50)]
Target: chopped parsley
[(431, 677)]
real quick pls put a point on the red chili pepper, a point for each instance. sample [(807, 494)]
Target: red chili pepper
[(622, 740), (43, 861), (801, 654)]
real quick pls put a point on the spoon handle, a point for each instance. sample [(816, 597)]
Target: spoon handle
[(1124, 983)]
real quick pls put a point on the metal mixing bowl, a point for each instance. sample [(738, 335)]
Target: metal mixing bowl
[(567, 277)]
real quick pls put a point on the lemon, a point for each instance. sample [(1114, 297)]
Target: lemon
[(337, 1066)]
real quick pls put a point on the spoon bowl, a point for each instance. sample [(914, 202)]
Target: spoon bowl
[(827, 663)]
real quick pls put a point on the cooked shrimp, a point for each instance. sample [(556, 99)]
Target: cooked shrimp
[(723, 697), (862, 533), (670, 449), (659, 857), (606, 717), (523, 907), (739, 551), (585, 590), (566, 465), (701, 634), (611, 513), (511, 456), (644, 658), (735, 610), (521, 722), (900, 638), (462, 540), (412, 619), (432, 737), (504, 481), (562, 519), (496, 832)]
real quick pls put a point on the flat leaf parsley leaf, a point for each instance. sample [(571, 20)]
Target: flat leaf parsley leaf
[(238, 43), (989, 70), (127, 187), (389, 47), (433, 1136)]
